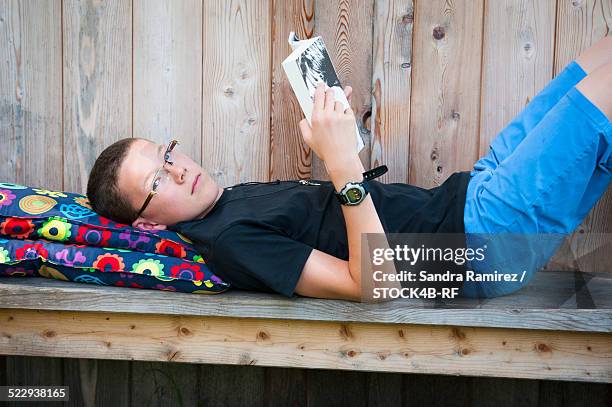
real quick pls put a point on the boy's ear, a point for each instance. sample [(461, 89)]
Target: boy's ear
[(145, 224)]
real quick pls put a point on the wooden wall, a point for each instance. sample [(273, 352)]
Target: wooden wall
[(434, 81), (122, 383)]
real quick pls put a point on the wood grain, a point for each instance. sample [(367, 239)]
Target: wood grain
[(236, 90), (392, 87), (97, 84), (552, 301), (290, 156), (578, 356), (445, 98), (346, 28), (579, 25), (513, 74), (31, 93), (167, 78), (31, 128)]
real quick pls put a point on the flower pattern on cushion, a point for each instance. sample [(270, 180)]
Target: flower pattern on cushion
[(106, 266), (17, 228), (54, 194), (20, 271), (32, 251), (188, 271), (83, 201), (55, 228), (61, 231), (75, 209), (4, 255), (94, 237), (149, 267), (170, 248), (109, 262), (6, 197)]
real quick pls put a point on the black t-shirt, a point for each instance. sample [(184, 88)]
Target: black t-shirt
[(258, 236)]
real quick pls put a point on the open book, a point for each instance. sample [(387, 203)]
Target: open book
[(307, 66)]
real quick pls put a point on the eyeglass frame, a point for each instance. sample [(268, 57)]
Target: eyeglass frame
[(153, 191)]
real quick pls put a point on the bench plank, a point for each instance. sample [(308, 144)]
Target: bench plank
[(547, 303), (534, 354)]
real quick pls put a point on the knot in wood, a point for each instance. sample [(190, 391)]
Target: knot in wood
[(407, 18), (438, 32)]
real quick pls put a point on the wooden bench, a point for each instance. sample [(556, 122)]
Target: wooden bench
[(538, 333)]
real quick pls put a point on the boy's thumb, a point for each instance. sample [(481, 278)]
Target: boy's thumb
[(305, 128)]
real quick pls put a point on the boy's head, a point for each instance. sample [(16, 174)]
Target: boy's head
[(123, 176)]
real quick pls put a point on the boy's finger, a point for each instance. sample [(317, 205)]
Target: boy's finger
[(319, 97), (348, 91), (330, 98), (339, 107)]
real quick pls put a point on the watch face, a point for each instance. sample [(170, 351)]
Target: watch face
[(354, 194)]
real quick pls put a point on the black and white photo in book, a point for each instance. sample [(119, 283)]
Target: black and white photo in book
[(316, 66), (308, 65)]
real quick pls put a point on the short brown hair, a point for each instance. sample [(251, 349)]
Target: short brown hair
[(102, 187)]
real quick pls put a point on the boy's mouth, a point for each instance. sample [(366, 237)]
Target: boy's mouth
[(195, 182)]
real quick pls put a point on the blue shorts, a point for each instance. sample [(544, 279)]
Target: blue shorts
[(542, 175)]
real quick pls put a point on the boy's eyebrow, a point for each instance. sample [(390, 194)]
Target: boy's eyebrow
[(146, 181)]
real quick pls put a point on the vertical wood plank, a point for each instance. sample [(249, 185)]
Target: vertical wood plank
[(575, 394), (436, 391), (391, 87), (3, 378), (445, 100), (384, 389), (164, 384), (95, 382), (34, 371), (579, 25), (495, 392), (290, 156), (329, 388), (346, 28), (97, 70), (284, 386), (168, 72), (227, 385), (517, 61), (31, 93), (236, 90)]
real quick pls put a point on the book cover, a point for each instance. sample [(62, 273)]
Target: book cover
[(308, 65)]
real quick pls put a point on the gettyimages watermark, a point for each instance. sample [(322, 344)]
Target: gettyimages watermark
[(548, 270)]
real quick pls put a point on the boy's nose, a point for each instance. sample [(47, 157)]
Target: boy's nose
[(177, 172)]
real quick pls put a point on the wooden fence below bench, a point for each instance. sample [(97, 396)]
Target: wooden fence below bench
[(519, 336)]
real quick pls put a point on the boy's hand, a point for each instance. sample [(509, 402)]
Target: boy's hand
[(332, 135)]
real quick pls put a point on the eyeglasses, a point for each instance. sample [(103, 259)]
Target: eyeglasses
[(162, 176)]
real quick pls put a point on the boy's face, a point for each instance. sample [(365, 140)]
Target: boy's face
[(174, 201)]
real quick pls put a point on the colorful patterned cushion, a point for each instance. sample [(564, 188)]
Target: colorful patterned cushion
[(66, 217), (107, 266)]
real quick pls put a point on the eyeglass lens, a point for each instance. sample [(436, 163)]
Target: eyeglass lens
[(163, 176)]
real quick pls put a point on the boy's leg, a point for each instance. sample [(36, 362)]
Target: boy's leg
[(506, 140), (548, 183), (598, 54)]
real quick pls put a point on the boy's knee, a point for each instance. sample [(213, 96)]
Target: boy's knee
[(596, 87)]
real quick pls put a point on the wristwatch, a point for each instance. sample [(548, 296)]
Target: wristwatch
[(353, 193)]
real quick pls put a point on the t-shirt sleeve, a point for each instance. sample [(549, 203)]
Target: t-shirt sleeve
[(257, 258)]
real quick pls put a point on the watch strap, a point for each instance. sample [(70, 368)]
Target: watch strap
[(374, 173)]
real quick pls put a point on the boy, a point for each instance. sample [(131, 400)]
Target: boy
[(543, 173)]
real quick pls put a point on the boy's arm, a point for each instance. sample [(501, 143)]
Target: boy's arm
[(332, 137)]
